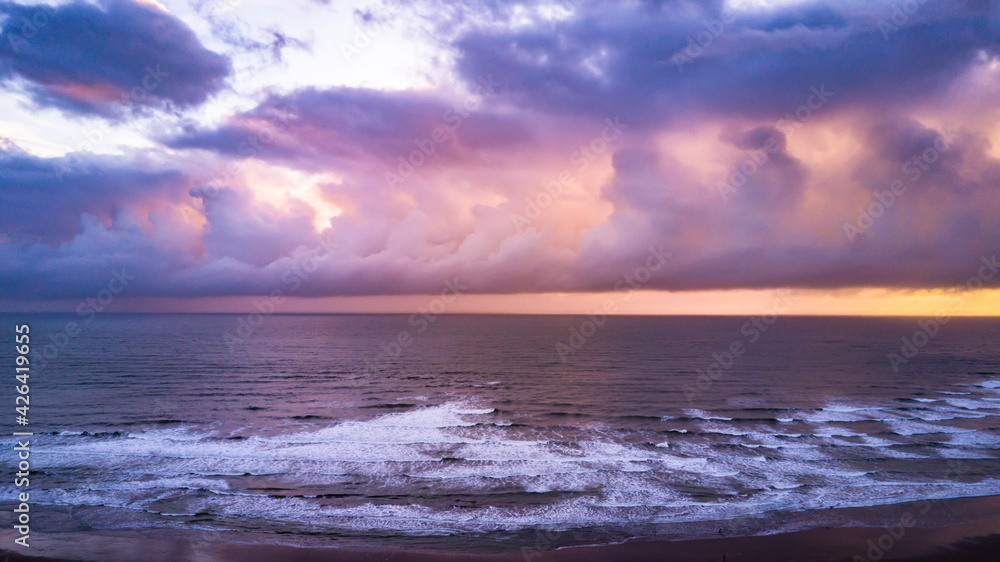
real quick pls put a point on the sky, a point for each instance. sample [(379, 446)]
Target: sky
[(666, 157)]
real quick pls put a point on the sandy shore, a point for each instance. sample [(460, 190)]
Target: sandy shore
[(964, 529)]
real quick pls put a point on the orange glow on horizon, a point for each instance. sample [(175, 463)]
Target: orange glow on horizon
[(740, 302)]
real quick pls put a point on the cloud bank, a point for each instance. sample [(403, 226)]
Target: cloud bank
[(91, 59), (816, 145)]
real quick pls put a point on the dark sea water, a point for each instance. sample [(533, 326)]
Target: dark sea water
[(477, 435)]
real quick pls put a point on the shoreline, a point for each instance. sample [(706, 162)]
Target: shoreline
[(959, 529)]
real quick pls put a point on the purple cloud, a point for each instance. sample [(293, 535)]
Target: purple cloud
[(99, 59)]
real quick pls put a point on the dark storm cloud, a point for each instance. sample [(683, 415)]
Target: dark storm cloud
[(44, 198), (720, 116), (902, 148), (685, 58), (95, 59), (932, 233), (317, 127)]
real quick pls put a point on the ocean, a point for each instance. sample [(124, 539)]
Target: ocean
[(483, 433)]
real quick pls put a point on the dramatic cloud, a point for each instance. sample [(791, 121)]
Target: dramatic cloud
[(815, 145), (89, 59), (351, 126), (45, 198), (662, 61)]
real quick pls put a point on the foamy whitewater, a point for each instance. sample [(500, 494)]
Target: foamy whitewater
[(478, 430)]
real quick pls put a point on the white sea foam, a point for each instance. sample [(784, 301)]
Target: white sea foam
[(969, 404), (450, 445), (834, 431), (848, 413), (631, 501), (943, 414), (696, 465), (908, 428), (478, 411), (726, 430), (786, 485), (702, 414), (974, 439)]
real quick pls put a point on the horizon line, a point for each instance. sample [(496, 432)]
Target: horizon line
[(583, 314)]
